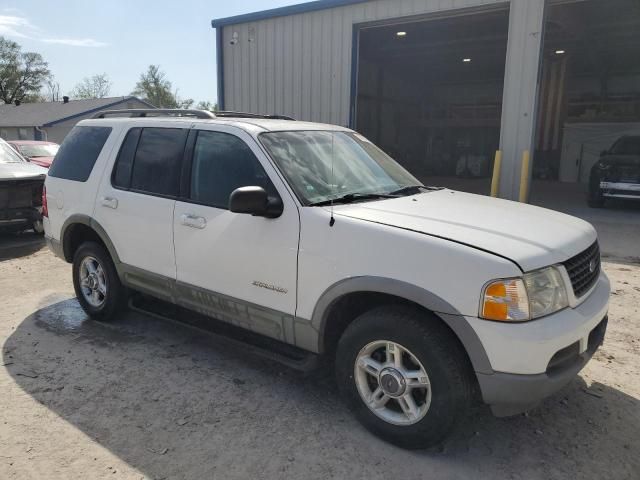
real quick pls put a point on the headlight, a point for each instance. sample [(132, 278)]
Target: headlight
[(534, 295), (604, 166)]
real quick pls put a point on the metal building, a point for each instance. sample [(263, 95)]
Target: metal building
[(443, 84)]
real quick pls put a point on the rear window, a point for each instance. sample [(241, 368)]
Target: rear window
[(79, 152)]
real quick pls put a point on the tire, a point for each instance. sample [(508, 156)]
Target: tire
[(423, 337), (38, 227), (595, 199), (111, 297)]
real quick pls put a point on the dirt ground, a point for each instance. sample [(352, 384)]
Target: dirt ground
[(146, 399)]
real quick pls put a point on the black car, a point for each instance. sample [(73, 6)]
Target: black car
[(617, 173)]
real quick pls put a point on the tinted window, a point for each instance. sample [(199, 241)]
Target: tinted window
[(122, 171), (222, 163), (157, 162), (79, 152)]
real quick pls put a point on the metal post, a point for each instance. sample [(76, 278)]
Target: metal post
[(524, 177), (495, 181), (520, 93)]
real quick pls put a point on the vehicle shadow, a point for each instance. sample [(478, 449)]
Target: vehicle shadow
[(16, 245), (173, 402)]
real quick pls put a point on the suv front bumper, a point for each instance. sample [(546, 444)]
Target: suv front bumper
[(510, 394), (533, 360)]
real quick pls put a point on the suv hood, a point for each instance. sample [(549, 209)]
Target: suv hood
[(621, 160), (12, 171), (532, 237)]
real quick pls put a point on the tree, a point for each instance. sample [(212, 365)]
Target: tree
[(207, 105), (97, 86), (53, 91), (153, 87), (21, 73)]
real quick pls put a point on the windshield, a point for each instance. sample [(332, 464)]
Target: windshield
[(44, 150), (324, 165), (9, 155)]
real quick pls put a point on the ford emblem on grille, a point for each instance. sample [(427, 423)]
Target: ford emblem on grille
[(592, 265)]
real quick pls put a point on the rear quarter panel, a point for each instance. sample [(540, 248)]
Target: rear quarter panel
[(68, 197)]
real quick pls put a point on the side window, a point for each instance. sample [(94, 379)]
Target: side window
[(156, 163), (124, 164), (222, 163), (79, 152)]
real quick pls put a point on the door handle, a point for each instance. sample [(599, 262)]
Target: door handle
[(193, 221), (109, 202)]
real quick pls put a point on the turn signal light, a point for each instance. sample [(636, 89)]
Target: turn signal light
[(505, 301), (45, 208)]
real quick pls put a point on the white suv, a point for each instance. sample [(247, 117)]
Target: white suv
[(425, 298)]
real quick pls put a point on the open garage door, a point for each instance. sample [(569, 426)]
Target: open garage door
[(429, 92), (589, 104)]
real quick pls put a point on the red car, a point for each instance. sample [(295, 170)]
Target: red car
[(40, 153)]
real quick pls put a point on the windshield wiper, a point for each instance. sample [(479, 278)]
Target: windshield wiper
[(353, 197), (413, 189)]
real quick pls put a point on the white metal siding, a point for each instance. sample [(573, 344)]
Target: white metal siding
[(300, 65)]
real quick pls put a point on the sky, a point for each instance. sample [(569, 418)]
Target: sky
[(81, 38)]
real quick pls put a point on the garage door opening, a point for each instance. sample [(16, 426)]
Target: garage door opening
[(589, 99), (429, 93)]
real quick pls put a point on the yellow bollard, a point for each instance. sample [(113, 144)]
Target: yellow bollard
[(524, 176), (495, 181)]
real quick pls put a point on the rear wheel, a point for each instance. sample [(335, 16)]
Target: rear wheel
[(96, 282), (404, 375)]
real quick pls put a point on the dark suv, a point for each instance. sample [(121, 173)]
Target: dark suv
[(617, 173)]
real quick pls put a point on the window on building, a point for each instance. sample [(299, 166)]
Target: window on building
[(23, 134), (222, 163)]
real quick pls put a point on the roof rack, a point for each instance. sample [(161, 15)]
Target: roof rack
[(227, 113), (156, 112)]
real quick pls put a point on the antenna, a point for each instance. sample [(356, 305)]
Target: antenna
[(332, 222)]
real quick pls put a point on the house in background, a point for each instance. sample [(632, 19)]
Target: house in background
[(52, 121)]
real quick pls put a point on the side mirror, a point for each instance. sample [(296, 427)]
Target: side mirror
[(256, 202)]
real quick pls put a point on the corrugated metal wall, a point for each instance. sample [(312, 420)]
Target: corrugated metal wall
[(300, 65)]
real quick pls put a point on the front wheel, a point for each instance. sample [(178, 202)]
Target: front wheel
[(595, 198), (404, 375), (96, 282)]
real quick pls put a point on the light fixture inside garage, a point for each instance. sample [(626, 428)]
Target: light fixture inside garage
[(560, 52), (401, 34), (466, 60)]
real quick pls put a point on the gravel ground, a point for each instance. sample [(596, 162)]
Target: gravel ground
[(143, 398)]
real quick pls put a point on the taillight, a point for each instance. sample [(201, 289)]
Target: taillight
[(45, 209)]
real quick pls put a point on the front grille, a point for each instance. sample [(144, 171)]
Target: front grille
[(584, 269), (629, 174)]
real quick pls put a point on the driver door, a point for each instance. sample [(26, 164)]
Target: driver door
[(235, 267)]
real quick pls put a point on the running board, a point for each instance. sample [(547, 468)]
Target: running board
[(254, 343)]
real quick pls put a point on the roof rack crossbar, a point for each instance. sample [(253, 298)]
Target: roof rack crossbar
[(228, 113), (156, 112)]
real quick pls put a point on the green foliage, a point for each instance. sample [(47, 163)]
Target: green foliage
[(207, 105), (21, 73), (97, 86), (153, 87)]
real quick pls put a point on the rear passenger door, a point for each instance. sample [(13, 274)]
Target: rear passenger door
[(235, 267), (136, 202)]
